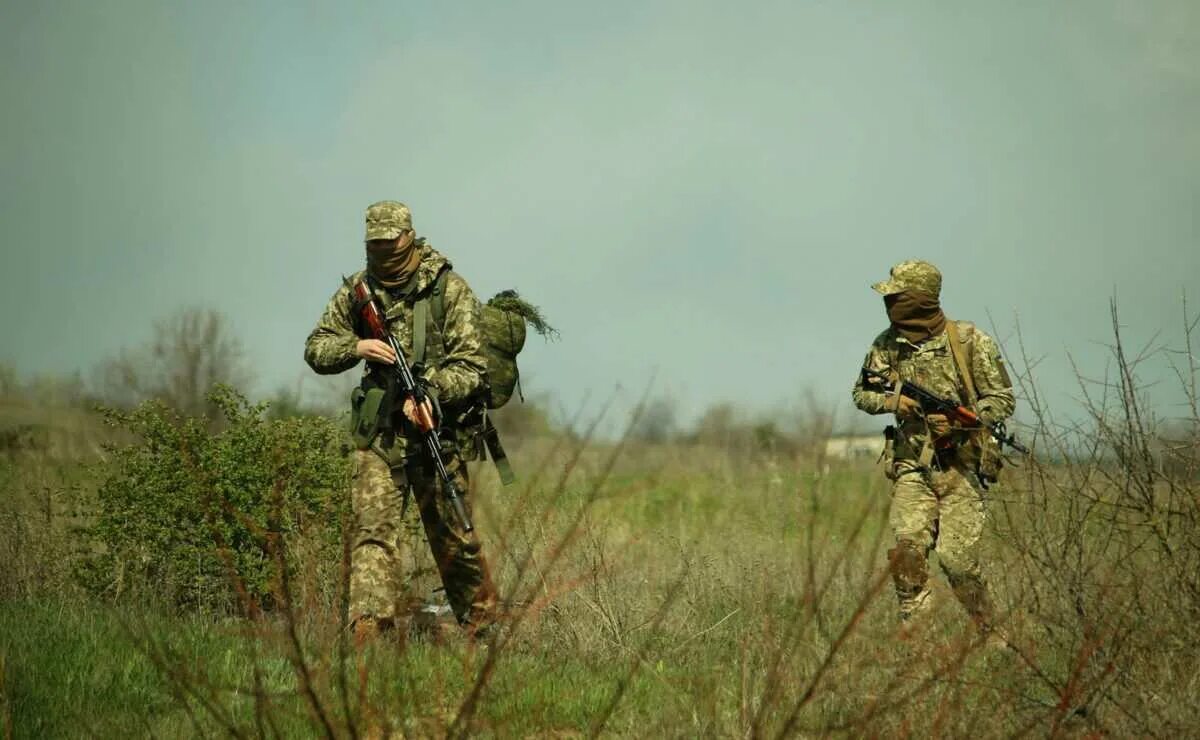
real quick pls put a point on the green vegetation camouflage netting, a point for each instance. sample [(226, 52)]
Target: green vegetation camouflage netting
[(504, 320)]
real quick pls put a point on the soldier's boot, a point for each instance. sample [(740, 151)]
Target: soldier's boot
[(470, 591), (915, 608), (368, 629), (478, 620), (910, 575), (972, 593), (481, 622)]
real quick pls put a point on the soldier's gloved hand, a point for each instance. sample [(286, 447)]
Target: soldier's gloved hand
[(421, 416), (939, 425), (375, 350), (904, 407), (987, 416)]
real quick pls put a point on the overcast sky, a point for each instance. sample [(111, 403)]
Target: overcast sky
[(705, 190)]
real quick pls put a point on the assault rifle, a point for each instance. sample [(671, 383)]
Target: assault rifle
[(931, 403), (376, 324)]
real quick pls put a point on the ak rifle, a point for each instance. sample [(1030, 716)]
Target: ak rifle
[(931, 403), (409, 387)]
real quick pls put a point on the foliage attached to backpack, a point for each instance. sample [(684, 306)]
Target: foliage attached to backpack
[(504, 320)]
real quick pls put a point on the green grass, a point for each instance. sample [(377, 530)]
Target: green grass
[(75, 671), (728, 596), (71, 671)]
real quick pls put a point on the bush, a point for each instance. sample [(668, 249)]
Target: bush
[(194, 506)]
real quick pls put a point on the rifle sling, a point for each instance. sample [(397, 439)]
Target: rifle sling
[(960, 362), (420, 319), (431, 304), (491, 438)]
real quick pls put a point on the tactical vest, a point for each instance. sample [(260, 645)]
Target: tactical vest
[(979, 449), (371, 407)]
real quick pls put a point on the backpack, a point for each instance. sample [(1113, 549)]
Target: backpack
[(504, 319)]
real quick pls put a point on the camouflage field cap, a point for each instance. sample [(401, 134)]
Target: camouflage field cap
[(912, 275), (387, 219)]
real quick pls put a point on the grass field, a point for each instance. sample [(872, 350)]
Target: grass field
[(673, 590)]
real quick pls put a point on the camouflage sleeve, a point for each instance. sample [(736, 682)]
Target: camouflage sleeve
[(464, 367), (329, 348), (870, 400), (996, 400)]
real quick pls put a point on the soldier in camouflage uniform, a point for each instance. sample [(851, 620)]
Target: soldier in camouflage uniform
[(403, 271), (936, 497)]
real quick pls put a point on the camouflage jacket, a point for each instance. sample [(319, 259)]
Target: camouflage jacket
[(455, 364), (930, 364)]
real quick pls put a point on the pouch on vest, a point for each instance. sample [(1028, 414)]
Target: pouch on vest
[(368, 413), (888, 455)]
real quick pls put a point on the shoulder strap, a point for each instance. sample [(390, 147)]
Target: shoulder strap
[(491, 439), (433, 302), (438, 304), (960, 361), (420, 319)]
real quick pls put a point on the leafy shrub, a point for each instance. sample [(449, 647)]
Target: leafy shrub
[(194, 506)]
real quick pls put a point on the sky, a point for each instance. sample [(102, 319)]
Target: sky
[(695, 192)]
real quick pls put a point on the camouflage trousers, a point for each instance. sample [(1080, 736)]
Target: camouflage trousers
[(939, 509), (381, 546)]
